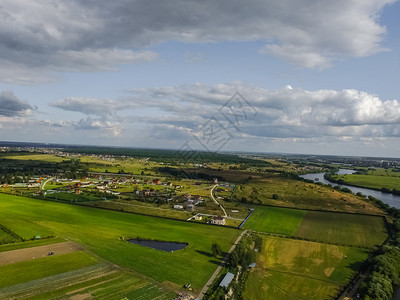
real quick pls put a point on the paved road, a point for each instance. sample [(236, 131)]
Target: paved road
[(221, 265), (44, 183), (215, 200)]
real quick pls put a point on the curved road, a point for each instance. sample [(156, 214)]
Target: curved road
[(215, 200)]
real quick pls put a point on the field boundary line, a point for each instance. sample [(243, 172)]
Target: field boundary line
[(126, 212), (279, 235), (301, 275)]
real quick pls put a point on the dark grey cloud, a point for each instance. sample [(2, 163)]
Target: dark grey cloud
[(43, 36), (12, 106)]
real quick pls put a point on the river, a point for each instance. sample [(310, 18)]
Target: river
[(392, 200)]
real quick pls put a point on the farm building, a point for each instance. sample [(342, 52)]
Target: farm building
[(227, 280), (218, 220)]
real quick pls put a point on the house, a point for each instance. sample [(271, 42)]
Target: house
[(218, 220), (169, 184), (145, 192), (156, 181), (178, 206), (197, 197), (198, 217), (77, 191), (227, 280), (189, 207)]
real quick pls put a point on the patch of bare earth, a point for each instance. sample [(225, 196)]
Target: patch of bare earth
[(20, 255)]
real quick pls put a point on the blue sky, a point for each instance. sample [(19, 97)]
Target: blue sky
[(317, 76)]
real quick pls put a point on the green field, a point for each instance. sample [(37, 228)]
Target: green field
[(345, 229), (334, 228), (275, 220), (100, 230), (293, 269), (5, 237), (98, 280), (37, 157), (372, 181), (298, 194), (39, 268)]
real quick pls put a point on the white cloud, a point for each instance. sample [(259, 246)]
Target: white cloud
[(38, 37), (284, 113)]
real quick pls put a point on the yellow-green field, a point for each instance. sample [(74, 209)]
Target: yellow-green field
[(327, 227), (293, 269), (294, 193)]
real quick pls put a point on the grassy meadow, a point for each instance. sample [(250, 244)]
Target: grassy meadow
[(293, 269), (43, 267), (333, 228), (100, 230), (372, 181), (275, 220), (298, 194)]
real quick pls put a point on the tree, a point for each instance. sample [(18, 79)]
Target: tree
[(216, 250), (275, 196)]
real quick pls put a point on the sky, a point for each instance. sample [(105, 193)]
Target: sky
[(290, 76)]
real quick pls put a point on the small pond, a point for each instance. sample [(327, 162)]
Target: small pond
[(159, 245)]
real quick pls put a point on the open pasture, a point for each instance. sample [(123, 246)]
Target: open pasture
[(346, 229), (100, 231), (98, 280), (298, 194), (372, 181), (293, 269), (275, 220), (326, 227)]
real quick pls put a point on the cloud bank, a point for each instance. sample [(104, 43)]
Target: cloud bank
[(38, 37), (283, 113)]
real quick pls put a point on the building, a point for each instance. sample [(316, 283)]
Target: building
[(218, 220), (227, 280), (178, 206)]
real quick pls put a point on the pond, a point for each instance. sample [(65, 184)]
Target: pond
[(159, 245)]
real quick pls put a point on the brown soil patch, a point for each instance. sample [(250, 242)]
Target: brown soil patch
[(15, 256), (81, 296), (328, 271)]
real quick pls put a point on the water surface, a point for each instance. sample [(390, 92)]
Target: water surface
[(159, 245)]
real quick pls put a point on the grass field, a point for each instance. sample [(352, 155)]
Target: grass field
[(37, 157), (346, 229), (334, 228), (298, 194), (5, 237), (99, 280), (39, 268), (293, 269), (372, 181), (275, 220), (99, 231)]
